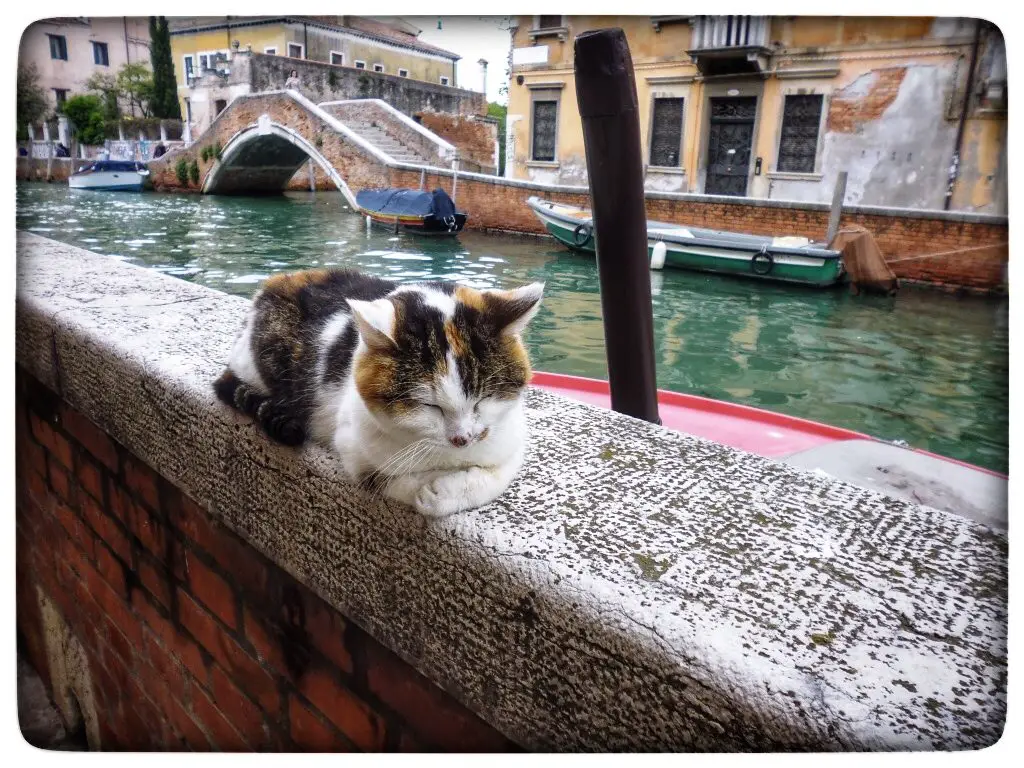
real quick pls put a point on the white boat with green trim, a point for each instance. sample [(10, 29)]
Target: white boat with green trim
[(786, 259)]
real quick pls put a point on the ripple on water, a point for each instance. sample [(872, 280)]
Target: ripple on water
[(921, 367)]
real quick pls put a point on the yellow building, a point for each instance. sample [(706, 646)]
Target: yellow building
[(390, 47), (776, 107)]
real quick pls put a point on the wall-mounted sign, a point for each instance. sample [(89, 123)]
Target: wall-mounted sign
[(733, 92), (538, 54)]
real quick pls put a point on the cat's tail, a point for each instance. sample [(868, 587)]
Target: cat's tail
[(273, 416)]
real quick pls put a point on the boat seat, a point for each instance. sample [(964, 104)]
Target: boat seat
[(915, 477)]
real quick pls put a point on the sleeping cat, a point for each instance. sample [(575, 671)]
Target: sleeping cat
[(418, 388)]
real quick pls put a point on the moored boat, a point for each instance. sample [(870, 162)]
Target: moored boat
[(111, 175), (425, 213), (913, 475), (785, 259)]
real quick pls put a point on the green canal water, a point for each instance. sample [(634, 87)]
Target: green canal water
[(923, 367)]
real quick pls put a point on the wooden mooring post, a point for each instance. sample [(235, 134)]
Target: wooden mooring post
[(606, 94)]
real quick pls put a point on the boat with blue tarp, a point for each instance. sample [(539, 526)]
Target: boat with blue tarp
[(426, 213)]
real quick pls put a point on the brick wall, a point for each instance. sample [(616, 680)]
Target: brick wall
[(474, 138), (194, 640), (35, 169)]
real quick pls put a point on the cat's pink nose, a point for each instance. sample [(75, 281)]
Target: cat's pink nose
[(458, 441)]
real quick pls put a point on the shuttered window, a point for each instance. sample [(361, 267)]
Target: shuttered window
[(545, 115), (549, 22), (667, 133), (801, 118)]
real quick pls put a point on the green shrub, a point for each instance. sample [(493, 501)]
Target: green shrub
[(193, 172), (204, 153), (181, 171), (85, 112), (217, 150)]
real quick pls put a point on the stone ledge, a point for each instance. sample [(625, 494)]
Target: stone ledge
[(635, 589)]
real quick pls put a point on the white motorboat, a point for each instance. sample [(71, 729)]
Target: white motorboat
[(120, 175)]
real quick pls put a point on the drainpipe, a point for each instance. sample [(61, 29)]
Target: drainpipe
[(127, 52), (305, 41), (228, 20), (954, 169)]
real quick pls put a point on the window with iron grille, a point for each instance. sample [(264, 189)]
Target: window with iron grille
[(549, 22), (801, 118), (58, 47), (545, 116), (667, 133)]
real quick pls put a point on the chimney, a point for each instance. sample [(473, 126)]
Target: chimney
[(483, 74)]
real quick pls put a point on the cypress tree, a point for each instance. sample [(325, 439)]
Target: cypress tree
[(165, 84)]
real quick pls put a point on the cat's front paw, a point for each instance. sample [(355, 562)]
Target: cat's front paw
[(457, 492)]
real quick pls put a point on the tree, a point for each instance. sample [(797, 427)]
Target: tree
[(135, 85), (85, 111), (32, 104), (499, 111), (105, 85), (164, 103)]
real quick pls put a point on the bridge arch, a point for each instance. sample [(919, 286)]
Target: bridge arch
[(263, 157)]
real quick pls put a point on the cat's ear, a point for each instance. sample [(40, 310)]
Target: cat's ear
[(512, 310), (375, 321)]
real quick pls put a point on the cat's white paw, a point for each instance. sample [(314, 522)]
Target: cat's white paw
[(456, 492)]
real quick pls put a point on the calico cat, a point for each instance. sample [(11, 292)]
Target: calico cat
[(418, 388)]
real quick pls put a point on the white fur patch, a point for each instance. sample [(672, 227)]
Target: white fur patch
[(439, 300), (241, 361), (332, 329)]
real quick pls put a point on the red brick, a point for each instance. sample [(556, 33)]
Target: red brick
[(309, 733), (166, 669), (92, 438), (156, 580), (42, 431), (211, 590), (111, 569), (239, 665), (326, 629), (32, 456), (224, 737), (142, 481), (244, 716), (106, 529), (89, 478), (38, 490), (180, 646), (148, 529), (431, 712), (62, 450), (229, 552), (59, 481), (186, 727), (119, 502), (76, 529), (352, 717)]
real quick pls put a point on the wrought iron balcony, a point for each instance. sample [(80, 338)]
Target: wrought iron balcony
[(730, 44)]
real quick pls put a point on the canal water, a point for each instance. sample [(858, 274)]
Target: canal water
[(922, 367)]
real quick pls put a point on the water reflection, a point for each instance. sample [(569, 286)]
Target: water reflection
[(923, 367)]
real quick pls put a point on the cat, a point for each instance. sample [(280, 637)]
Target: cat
[(418, 387)]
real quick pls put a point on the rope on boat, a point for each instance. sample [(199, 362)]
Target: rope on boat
[(948, 253)]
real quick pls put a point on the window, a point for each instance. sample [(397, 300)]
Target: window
[(271, 50), (188, 110), (337, 58), (378, 67), (403, 73), (360, 64), (549, 22), (61, 95), (545, 118), (100, 55), (219, 106), (798, 145), (444, 80), (58, 47), (190, 71), (667, 133), (295, 50)]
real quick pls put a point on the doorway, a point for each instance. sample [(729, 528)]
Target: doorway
[(730, 140)]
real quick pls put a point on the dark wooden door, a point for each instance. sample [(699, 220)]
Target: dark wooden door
[(729, 143)]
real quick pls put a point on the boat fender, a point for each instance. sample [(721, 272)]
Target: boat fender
[(581, 235), (658, 255), (762, 263)]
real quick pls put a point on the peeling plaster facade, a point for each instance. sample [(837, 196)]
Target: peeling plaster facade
[(892, 98)]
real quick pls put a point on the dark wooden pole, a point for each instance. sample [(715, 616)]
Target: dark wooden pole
[(606, 94)]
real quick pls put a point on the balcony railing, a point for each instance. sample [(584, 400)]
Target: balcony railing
[(711, 32)]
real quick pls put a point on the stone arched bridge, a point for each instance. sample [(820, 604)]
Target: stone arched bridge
[(259, 142)]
